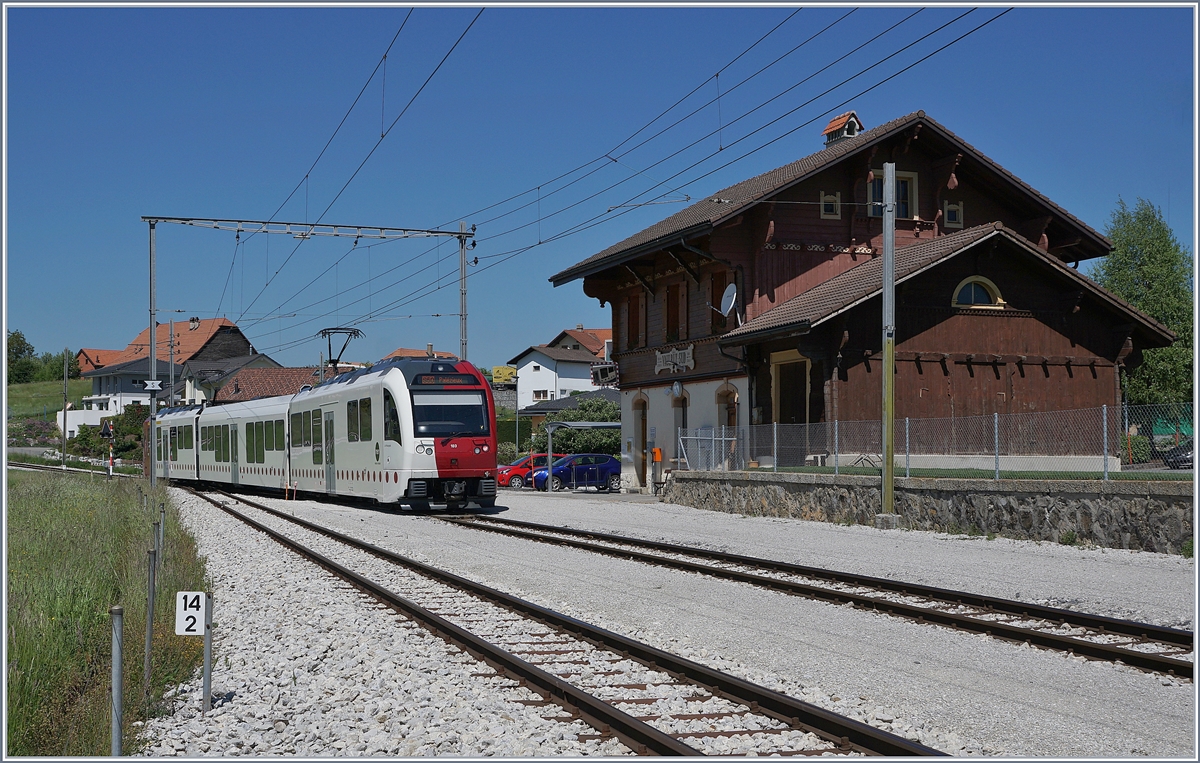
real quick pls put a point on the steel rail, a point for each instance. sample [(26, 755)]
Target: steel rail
[(1108, 625), (848, 733), (639, 736)]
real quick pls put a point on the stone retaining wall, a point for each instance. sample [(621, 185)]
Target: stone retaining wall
[(1150, 516)]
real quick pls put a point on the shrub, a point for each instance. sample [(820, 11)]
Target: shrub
[(1068, 538), (1138, 446), (1186, 549), (506, 452)]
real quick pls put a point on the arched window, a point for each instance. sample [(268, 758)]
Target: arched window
[(977, 292)]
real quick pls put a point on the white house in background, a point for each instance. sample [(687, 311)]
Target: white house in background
[(555, 370), (113, 388)]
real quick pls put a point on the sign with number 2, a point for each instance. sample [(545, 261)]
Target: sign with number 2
[(189, 613)]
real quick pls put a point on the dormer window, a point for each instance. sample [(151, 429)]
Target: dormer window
[(977, 292), (841, 127)]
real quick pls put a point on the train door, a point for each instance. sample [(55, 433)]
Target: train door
[(233, 454), (329, 467)]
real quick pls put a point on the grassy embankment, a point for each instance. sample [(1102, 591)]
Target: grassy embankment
[(35, 399), (72, 462), (77, 546)]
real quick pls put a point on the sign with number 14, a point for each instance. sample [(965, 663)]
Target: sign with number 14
[(189, 613)]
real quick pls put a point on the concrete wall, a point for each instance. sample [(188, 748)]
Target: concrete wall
[(1149, 516)]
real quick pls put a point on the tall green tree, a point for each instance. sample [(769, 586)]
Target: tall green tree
[(1150, 269), (583, 440), (23, 365)]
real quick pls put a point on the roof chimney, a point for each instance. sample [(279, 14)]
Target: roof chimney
[(841, 127), (579, 327), (429, 349), (193, 323)]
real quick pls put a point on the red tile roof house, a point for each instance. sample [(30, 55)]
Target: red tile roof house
[(991, 314), (92, 359), (555, 370), (251, 383)]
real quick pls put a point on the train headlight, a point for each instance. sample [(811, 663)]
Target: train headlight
[(477, 450), (485, 449)]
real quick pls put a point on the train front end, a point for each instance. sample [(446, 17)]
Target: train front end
[(452, 419)]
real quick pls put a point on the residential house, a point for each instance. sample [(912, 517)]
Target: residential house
[(202, 379), (90, 359), (991, 314), (555, 370), (250, 382), (113, 388)]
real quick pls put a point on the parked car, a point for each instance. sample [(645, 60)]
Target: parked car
[(582, 470), (1181, 456), (516, 474)]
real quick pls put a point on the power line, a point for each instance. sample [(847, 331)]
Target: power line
[(433, 287), (371, 152), (324, 148)]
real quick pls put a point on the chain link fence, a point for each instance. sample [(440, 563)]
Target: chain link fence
[(1142, 442)]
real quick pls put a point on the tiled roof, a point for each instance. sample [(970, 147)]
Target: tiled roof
[(838, 122), (592, 339), (139, 366), (90, 358), (864, 281), (251, 383), (705, 214), (188, 342), (570, 401), (559, 354), (404, 352)]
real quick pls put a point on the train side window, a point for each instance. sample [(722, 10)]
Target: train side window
[(391, 418), (203, 439), (316, 437), (352, 421), (280, 443), (233, 446), (224, 442), (308, 440), (187, 437), (364, 419), (158, 446), (174, 444), (250, 444), (259, 443), (297, 431), (269, 431)]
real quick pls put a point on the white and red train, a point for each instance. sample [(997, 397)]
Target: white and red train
[(415, 431)]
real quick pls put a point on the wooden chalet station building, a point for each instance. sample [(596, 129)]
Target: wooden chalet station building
[(991, 313)]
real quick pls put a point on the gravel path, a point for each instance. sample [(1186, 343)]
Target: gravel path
[(961, 693)]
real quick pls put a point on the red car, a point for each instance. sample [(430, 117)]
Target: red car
[(516, 474)]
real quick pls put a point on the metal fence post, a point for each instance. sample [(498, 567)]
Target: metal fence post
[(835, 448), (162, 534), (907, 471), (775, 446), (713, 455), (1104, 425), (208, 606), (996, 440), (117, 614), (149, 624)]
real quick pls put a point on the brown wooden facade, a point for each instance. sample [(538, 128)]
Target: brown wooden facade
[(1051, 340)]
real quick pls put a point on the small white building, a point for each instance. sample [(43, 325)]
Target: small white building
[(550, 373)]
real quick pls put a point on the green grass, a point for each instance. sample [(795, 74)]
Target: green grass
[(76, 546), (21, 458), (27, 401), (987, 474)]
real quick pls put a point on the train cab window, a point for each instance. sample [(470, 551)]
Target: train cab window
[(307, 423), (259, 456), (391, 418), (352, 421), (297, 430), (280, 443), (364, 419), (315, 417)]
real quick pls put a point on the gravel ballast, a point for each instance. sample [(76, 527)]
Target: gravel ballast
[(960, 693)]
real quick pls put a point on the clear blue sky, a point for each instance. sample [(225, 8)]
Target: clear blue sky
[(117, 113)]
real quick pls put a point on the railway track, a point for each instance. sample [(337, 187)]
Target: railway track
[(1141, 645), (69, 470), (653, 701)]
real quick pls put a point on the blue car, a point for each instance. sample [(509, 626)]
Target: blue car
[(583, 470)]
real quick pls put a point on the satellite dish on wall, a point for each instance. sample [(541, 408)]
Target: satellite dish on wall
[(728, 299)]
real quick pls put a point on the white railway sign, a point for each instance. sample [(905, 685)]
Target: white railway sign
[(189, 613)]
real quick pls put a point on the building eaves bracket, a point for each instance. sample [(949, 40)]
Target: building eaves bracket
[(645, 284), (686, 268), (698, 252)]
